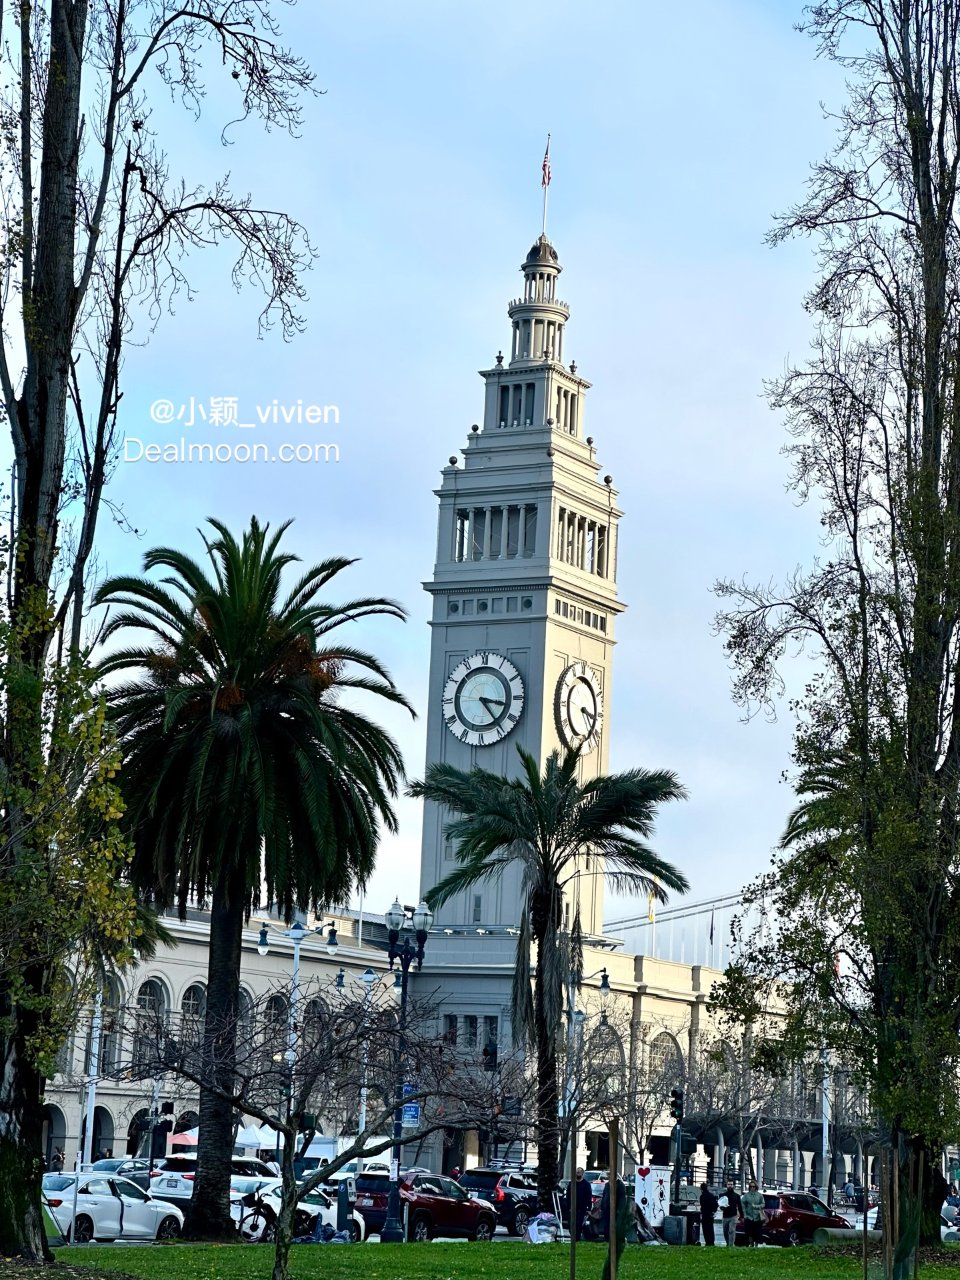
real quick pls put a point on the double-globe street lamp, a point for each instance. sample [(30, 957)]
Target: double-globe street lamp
[(296, 934), (401, 919)]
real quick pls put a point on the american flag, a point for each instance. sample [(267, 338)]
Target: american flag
[(545, 180)]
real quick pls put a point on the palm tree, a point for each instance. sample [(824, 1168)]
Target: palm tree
[(547, 824), (246, 776)]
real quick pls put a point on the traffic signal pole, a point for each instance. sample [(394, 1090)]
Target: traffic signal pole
[(676, 1111)]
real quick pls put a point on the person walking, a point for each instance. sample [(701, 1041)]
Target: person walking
[(56, 1161), (708, 1207), (579, 1200), (730, 1212), (752, 1205)]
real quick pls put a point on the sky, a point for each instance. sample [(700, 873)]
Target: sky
[(678, 132)]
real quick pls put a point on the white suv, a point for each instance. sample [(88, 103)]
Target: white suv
[(172, 1178)]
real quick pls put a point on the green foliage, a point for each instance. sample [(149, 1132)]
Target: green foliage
[(66, 904)]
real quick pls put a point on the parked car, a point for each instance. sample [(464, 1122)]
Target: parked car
[(438, 1206), (133, 1168), (949, 1225), (792, 1217), (513, 1195), (434, 1206), (108, 1208), (172, 1177), (257, 1227)]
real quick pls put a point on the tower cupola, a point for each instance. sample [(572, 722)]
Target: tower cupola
[(538, 317)]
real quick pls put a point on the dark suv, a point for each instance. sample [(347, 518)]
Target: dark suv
[(513, 1195)]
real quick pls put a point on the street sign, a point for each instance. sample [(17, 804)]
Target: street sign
[(411, 1110)]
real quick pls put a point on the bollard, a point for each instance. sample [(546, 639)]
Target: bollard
[(343, 1205)]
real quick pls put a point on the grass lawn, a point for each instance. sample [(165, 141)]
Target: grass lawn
[(463, 1262)]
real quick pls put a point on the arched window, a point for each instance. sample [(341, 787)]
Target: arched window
[(194, 1003), (151, 1005), (314, 1023), (666, 1060)]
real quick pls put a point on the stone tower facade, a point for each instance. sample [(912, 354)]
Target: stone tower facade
[(524, 588)]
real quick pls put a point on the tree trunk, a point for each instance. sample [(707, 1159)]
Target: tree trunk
[(208, 1213), (548, 1098), (22, 1233), (288, 1207)]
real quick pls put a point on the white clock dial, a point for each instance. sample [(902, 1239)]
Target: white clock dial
[(579, 707), (483, 699)]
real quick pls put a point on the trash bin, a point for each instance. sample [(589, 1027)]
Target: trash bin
[(673, 1229), (693, 1227)]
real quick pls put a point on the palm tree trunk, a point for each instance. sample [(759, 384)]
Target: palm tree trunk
[(208, 1214), (548, 1098)]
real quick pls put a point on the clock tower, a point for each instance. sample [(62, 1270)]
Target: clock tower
[(524, 589)]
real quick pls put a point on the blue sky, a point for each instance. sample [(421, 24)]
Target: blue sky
[(678, 132)]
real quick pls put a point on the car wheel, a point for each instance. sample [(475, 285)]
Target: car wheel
[(168, 1229), (484, 1229), (82, 1232), (520, 1222), (793, 1238), (420, 1229), (356, 1232)]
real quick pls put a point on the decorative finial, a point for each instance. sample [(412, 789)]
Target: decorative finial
[(590, 441), (608, 481), (499, 359), (474, 428), (453, 459), (573, 366)]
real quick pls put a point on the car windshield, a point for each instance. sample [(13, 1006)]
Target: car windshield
[(180, 1164), (107, 1166)]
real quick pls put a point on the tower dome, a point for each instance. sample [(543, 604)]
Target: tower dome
[(543, 252)]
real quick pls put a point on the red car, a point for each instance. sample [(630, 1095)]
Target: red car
[(792, 1217), (433, 1205)]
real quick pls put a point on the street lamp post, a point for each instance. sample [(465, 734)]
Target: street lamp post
[(369, 979), (399, 918), (294, 934)]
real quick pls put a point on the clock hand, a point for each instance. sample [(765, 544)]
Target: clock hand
[(489, 704)]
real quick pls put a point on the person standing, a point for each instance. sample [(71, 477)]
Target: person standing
[(56, 1161), (731, 1212), (708, 1207), (752, 1205), (579, 1200)]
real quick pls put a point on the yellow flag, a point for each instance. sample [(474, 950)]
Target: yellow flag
[(651, 909)]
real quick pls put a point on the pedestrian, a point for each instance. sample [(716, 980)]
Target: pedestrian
[(849, 1190), (621, 1224), (708, 1208), (455, 1174), (579, 1200), (752, 1205), (730, 1212), (108, 1154), (56, 1160)]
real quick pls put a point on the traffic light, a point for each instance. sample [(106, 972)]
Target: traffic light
[(676, 1104)]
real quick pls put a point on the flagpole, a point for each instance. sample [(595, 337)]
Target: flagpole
[(545, 183)]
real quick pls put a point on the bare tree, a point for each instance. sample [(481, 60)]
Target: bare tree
[(338, 1048), (97, 227)]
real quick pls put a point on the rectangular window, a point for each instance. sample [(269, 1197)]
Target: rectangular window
[(491, 1029), (496, 604), (528, 402), (513, 530), (479, 527), (477, 908), (530, 531), (561, 531), (496, 531), (450, 1028), (511, 604), (463, 525), (504, 418), (470, 1031), (467, 607)]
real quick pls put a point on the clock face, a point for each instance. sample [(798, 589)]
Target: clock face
[(579, 707), (483, 699)]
